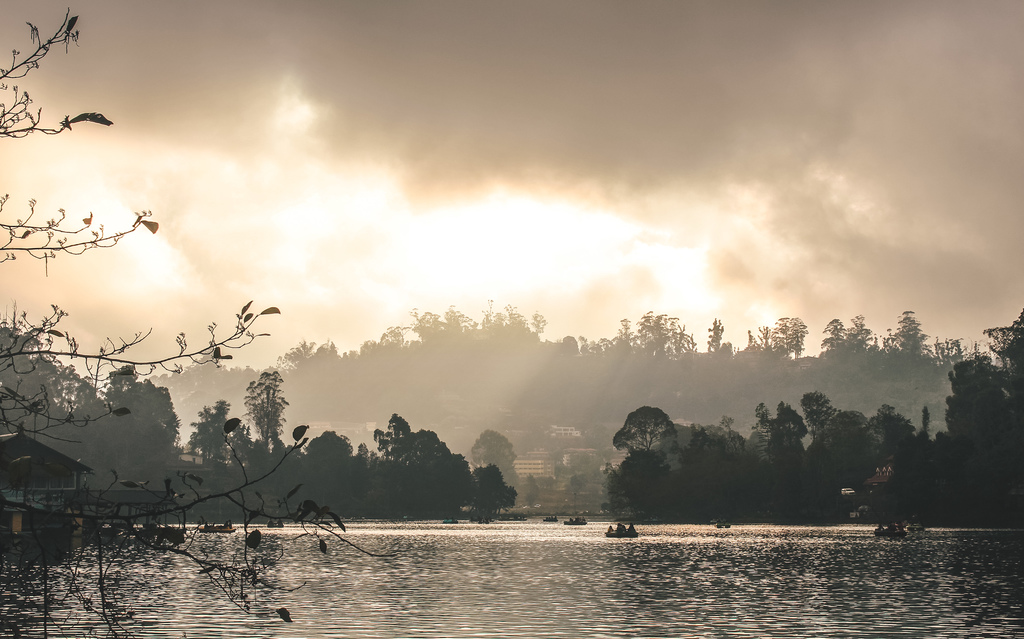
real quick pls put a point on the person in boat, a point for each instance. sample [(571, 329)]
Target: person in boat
[(620, 529), (631, 530), (610, 529)]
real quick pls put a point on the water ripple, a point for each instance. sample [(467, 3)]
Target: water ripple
[(546, 580)]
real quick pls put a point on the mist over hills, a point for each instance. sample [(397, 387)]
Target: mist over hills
[(456, 376)]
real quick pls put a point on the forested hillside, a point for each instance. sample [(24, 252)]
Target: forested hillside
[(458, 376)]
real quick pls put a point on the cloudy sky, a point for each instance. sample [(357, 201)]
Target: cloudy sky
[(351, 161)]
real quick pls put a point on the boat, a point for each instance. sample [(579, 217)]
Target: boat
[(575, 521), (892, 530), (450, 520), (915, 527), (226, 527), (621, 532), (721, 523), (275, 523), (552, 518)]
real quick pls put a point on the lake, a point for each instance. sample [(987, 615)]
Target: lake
[(534, 579)]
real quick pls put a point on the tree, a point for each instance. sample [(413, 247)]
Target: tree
[(890, 428), (643, 429), (781, 437), (788, 335), (715, 334), (908, 338), (419, 475), (264, 405), (490, 493), (781, 434), (818, 410), (1008, 344), (637, 486), (207, 438), (978, 407), (493, 448), (835, 337)]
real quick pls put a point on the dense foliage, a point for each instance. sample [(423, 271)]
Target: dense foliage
[(829, 463)]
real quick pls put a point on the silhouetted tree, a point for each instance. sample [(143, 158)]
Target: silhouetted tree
[(493, 448), (644, 428), (207, 438), (264, 405), (890, 428), (818, 410), (490, 493)]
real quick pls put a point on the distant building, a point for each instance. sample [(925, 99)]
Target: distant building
[(191, 458), (882, 475), (565, 431), (537, 463)]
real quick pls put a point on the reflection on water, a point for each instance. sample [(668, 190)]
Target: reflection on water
[(535, 579)]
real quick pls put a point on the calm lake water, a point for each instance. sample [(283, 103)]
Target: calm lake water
[(534, 579)]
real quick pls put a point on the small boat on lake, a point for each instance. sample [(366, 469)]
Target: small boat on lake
[(450, 520), (551, 518), (226, 527), (915, 527), (575, 521), (275, 523), (622, 532), (892, 530)]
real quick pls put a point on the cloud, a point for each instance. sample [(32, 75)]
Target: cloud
[(812, 159)]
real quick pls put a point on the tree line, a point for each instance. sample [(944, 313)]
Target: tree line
[(813, 461), (459, 375)]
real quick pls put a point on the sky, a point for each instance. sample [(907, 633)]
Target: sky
[(349, 162)]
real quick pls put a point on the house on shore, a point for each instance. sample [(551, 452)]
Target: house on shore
[(45, 480)]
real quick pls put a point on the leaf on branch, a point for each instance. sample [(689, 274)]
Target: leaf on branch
[(337, 520), (292, 492), (284, 614), (71, 24), (207, 570), (26, 234), (248, 316), (323, 546), (121, 412), (253, 539), (273, 310), (194, 477), (87, 220), (217, 354), (231, 425), (246, 308), (151, 225), (299, 431), (55, 333), (91, 117), (127, 483)]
